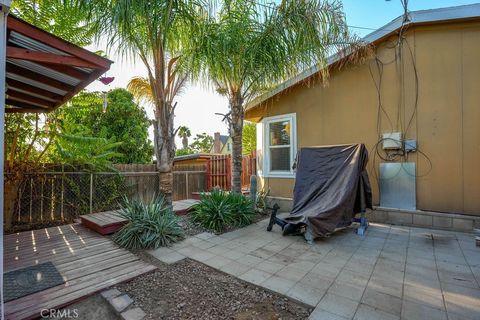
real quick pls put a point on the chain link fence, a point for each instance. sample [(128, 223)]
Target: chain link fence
[(64, 196), (58, 195)]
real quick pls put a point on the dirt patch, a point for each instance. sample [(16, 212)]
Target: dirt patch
[(190, 228), (191, 290), (94, 307)]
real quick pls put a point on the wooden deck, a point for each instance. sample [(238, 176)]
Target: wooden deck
[(87, 261), (109, 222)]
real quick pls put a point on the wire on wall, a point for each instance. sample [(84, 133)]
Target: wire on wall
[(402, 48)]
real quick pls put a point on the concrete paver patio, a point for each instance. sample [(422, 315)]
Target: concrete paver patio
[(394, 272)]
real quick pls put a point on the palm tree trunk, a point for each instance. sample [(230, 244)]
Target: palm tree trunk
[(165, 151), (236, 128), (185, 143)]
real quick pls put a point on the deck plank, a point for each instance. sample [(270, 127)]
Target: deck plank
[(87, 261), (109, 222)]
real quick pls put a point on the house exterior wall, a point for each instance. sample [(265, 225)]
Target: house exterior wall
[(225, 147), (446, 123)]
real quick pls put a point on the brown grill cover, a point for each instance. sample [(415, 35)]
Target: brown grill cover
[(331, 186)]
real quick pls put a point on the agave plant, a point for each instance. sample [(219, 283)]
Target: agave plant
[(150, 225), (219, 209)]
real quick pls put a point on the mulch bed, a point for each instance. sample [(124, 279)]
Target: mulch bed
[(191, 229), (191, 290)]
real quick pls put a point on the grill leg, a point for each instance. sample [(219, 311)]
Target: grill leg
[(363, 224), (274, 219)]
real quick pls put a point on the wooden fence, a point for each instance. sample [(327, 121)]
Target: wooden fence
[(219, 171), (188, 179)]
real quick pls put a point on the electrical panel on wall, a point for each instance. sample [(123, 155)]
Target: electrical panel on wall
[(398, 185), (410, 145), (392, 140)]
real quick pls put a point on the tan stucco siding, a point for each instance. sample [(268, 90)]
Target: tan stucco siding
[(446, 123)]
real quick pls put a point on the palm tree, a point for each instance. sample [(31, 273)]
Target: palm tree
[(184, 133), (155, 33), (247, 46)]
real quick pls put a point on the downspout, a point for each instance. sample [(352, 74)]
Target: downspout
[(4, 9)]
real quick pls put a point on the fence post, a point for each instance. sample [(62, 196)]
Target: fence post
[(207, 173), (62, 195), (52, 200), (91, 192), (186, 184), (19, 202), (229, 173), (41, 197), (31, 197)]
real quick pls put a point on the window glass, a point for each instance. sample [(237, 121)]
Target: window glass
[(280, 159), (280, 133), (279, 144)]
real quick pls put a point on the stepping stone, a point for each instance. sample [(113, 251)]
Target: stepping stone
[(120, 303), (111, 293), (133, 314)]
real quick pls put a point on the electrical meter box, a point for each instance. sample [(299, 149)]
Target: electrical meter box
[(392, 140)]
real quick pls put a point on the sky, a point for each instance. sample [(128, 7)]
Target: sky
[(197, 105)]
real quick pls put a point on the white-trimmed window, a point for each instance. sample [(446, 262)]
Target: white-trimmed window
[(279, 145)]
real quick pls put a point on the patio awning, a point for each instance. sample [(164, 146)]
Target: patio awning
[(44, 71)]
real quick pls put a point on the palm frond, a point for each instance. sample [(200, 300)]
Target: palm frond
[(141, 89)]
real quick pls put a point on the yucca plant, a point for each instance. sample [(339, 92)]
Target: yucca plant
[(150, 225), (243, 213), (219, 210), (214, 211)]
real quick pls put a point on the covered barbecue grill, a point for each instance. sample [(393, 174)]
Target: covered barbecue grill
[(331, 187)]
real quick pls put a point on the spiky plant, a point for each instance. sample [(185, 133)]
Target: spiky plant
[(150, 225), (220, 210), (214, 211), (243, 213)]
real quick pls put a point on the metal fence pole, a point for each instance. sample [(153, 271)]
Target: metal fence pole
[(41, 197), (31, 197), (186, 184), (52, 200), (91, 192), (63, 192)]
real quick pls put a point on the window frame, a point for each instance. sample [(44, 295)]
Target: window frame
[(266, 172)]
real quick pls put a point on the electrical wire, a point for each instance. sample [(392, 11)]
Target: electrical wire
[(397, 45), (401, 154)]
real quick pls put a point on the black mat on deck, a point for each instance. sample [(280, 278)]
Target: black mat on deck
[(25, 281)]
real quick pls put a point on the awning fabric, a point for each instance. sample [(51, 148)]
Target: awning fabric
[(44, 71)]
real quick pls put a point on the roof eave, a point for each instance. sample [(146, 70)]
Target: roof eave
[(417, 18)]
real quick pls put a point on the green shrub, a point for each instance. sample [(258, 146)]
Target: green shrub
[(149, 225), (219, 209), (243, 212)]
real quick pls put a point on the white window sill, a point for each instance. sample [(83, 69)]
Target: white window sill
[(278, 175)]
